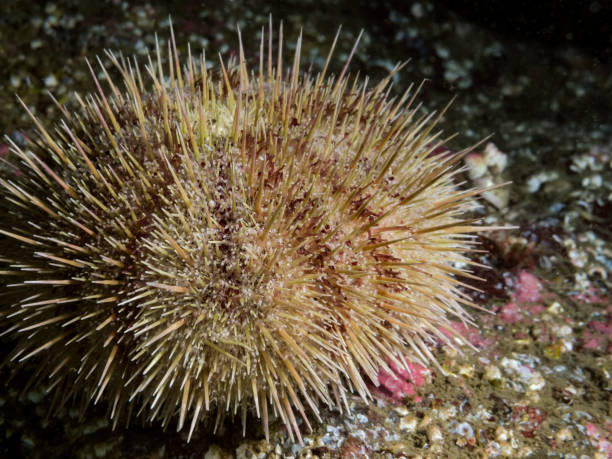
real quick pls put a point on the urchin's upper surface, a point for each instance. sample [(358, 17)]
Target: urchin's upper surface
[(241, 242)]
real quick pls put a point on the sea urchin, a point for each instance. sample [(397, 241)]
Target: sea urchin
[(260, 241)]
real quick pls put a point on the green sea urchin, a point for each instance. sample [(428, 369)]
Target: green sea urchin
[(261, 241)]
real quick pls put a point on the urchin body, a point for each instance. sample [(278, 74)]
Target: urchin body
[(258, 242)]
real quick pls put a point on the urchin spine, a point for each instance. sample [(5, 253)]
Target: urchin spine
[(263, 241)]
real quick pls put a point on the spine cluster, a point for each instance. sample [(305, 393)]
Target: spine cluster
[(261, 241)]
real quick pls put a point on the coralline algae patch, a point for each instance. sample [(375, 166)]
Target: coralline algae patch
[(531, 305), (600, 439), (526, 298), (400, 383), (598, 333)]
